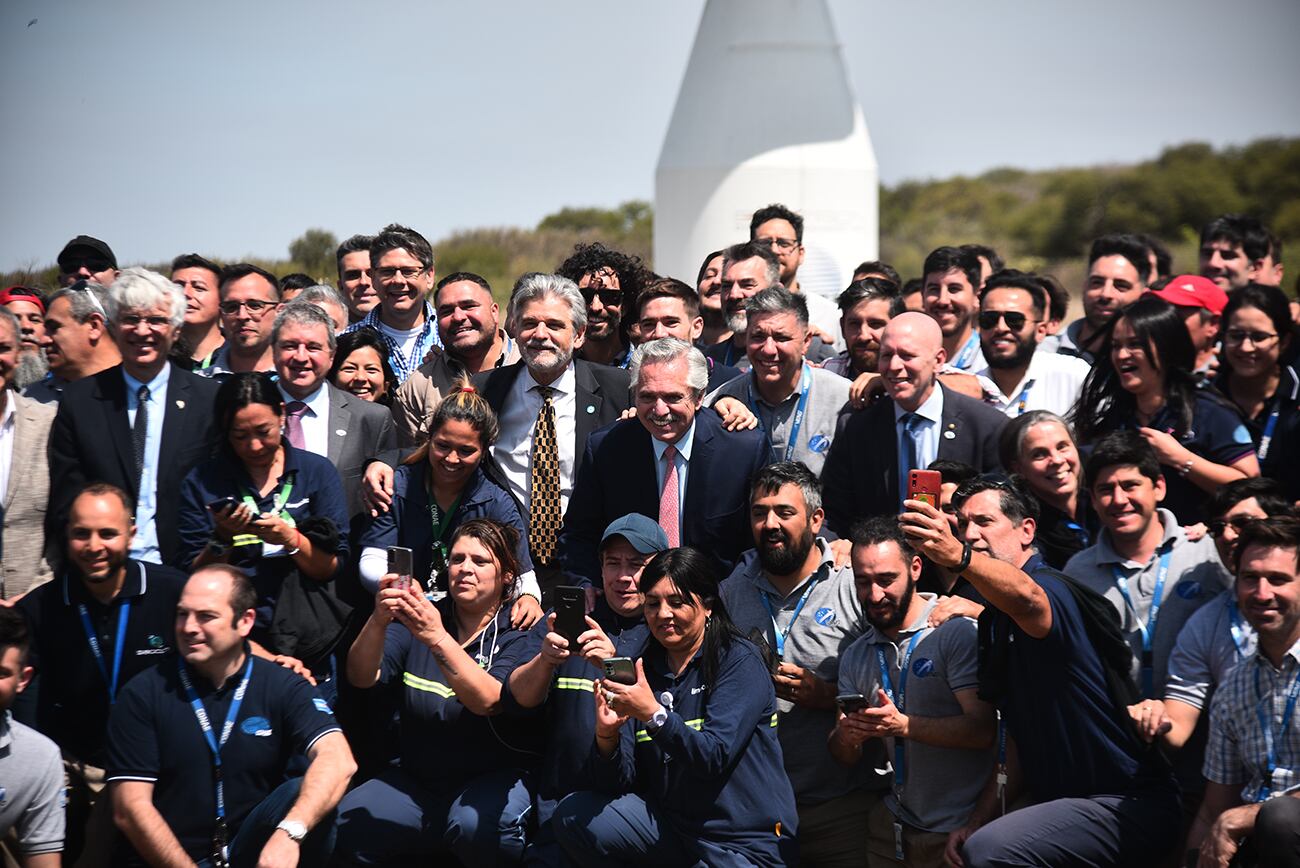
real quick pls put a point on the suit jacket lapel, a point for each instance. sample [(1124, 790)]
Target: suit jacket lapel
[(698, 467), (112, 399), (338, 421), (587, 408), (498, 384), (24, 454), (954, 446), (884, 436), (176, 415)]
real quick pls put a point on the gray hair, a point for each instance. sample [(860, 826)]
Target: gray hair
[(324, 294), (777, 299), (536, 285), (1012, 439), (85, 297), (303, 313), (142, 289), (6, 315), (751, 250), (665, 350)]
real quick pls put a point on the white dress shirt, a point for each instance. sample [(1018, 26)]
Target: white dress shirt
[(514, 447), (927, 434), (683, 462), (8, 423), (315, 419), (145, 545), (1051, 382)]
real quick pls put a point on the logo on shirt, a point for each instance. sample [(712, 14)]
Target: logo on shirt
[(825, 616), (155, 641), (922, 667), (1188, 590), (321, 705), (1241, 435), (818, 443), (258, 726), (2, 796)]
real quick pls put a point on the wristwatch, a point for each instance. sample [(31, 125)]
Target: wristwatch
[(658, 719), (294, 829)]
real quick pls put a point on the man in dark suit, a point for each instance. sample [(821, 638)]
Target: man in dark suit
[(672, 462), (100, 435), (921, 420), (318, 417)]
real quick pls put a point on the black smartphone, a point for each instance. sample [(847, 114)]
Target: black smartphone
[(851, 702), (570, 613), (401, 561), (221, 504), (621, 670)]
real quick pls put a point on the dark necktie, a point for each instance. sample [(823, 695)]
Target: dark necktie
[(140, 433), (908, 460), (544, 483)]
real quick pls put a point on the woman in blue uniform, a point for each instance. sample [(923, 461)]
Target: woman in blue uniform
[(459, 787), (686, 768)]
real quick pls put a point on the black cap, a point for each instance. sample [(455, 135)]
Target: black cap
[(80, 246)]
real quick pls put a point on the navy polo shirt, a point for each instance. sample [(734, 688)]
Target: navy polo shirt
[(443, 744), (316, 491), (72, 703), (1218, 434), (154, 736), (409, 521)]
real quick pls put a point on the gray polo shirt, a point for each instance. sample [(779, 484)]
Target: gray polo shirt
[(827, 410), (1207, 649), (1196, 575), (827, 624), (941, 784), (31, 788)]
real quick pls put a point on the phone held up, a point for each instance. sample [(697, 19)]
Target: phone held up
[(924, 485), (621, 670), (570, 613), (402, 562)]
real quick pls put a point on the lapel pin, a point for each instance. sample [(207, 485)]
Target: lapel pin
[(950, 435), (341, 432), (180, 405), (591, 408)]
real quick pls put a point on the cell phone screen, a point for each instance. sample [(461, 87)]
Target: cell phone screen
[(570, 612)]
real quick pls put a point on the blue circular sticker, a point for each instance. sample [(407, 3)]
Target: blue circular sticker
[(819, 443), (1188, 590), (923, 667), (825, 616), (256, 726)]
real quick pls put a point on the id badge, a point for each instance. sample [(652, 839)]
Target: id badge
[(898, 840), (220, 845)]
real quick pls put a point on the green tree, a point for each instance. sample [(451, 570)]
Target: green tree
[(315, 249)]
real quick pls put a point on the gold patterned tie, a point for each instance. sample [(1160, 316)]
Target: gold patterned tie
[(544, 484)]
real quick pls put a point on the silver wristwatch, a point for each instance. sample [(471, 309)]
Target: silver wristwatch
[(294, 829)]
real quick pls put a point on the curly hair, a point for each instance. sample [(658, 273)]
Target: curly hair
[(632, 272)]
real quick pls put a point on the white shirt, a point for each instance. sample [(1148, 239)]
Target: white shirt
[(927, 434), (7, 424), (1051, 382), (404, 338), (145, 545), (315, 419), (514, 447)]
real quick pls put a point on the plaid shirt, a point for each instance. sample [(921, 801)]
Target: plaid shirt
[(403, 366), (1237, 752)]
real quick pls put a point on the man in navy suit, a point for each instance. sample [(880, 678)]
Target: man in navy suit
[(671, 462), (101, 435), (920, 421)]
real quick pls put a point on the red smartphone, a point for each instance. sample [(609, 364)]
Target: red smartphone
[(924, 485)]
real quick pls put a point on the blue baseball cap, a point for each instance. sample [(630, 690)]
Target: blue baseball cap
[(642, 533)]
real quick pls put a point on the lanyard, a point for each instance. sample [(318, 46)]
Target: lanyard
[(1148, 629), (277, 508), (440, 522), (123, 614), (1240, 640), (1267, 439), (967, 354), (899, 698), (805, 383), (1002, 762), (782, 634), (1264, 724), (214, 744)]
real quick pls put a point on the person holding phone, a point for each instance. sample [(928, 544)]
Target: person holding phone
[(439, 487), (685, 767), (459, 785)]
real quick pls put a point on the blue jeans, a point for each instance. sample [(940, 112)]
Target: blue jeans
[(258, 826)]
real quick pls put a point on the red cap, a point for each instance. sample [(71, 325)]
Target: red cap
[(1192, 290), (22, 293)]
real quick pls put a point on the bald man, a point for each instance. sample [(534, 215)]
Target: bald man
[(920, 420)]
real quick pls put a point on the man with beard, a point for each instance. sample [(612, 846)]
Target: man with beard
[(609, 282), (950, 294), (865, 309), (472, 342), (789, 595), (87, 258), (708, 288), (201, 333), (1118, 272), (77, 341), (250, 299), (671, 462), (1017, 378), (104, 619), (919, 684), (28, 309), (1237, 250)]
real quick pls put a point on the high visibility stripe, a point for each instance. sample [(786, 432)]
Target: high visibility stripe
[(773, 719), (418, 683), (575, 684), (644, 735)]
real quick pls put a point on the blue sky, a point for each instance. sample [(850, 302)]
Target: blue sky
[(229, 128)]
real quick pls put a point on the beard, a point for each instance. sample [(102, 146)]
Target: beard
[(1024, 352), (737, 321), (31, 368), (894, 618), (788, 558), (545, 355)]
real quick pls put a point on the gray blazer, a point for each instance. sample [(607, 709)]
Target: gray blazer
[(358, 431), (27, 557)]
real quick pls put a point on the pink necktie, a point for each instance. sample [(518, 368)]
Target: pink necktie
[(668, 500), (293, 424)]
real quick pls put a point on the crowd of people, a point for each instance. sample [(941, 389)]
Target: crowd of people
[(648, 572)]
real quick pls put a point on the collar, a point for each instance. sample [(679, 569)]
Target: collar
[(565, 384), (1293, 653), (1032, 373), (759, 576), (292, 463), (375, 319), (6, 735), (157, 386), (10, 411), (794, 394), (932, 409), (134, 584), (684, 444), (317, 402), (918, 624), (1173, 535)]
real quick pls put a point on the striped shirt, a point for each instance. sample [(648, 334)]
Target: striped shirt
[(404, 364)]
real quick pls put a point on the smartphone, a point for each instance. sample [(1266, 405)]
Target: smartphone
[(621, 670), (221, 504), (851, 702), (773, 662), (924, 485), (570, 613), (401, 561)]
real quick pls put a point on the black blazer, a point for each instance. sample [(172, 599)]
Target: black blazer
[(90, 441), (617, 477), (860, 477)]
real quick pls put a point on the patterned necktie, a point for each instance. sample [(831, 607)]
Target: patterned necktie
[(294, 412), (544, 484), (669, 499), (140, 433)]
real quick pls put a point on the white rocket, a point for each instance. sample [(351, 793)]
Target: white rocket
[(765, 114)]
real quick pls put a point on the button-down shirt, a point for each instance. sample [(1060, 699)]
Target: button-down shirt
[(1052, 382), (7, 423), (403, 362), (683, 461), (144, 547), (514, 447), (315, 419)]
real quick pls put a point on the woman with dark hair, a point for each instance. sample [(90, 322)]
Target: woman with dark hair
[(272, 510), (439, 486), (1143, 379), (686, 758), (459, 785), (1257, 330), (1039, 447), (361, 367)]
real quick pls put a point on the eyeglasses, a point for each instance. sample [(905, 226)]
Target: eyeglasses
[(130, 322), (988, 319), (1238, 523), (608, 297), (256, 306), (408, 272), (1237, 337), (785, 245)]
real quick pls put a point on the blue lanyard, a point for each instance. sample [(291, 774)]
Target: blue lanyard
[(205, 724), (805, 383), (1148, 629), (899, 698), (1265, 725), (123, 614), (1240, 640), (781, 634), (1267, 439), (967, 354)]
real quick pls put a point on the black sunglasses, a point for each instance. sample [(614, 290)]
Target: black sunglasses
[(988, 319), (1238, 523), (608, 297)]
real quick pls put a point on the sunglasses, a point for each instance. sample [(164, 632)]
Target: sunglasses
[(608, 297), (93, 264), (1239, 523), (988, 319)]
